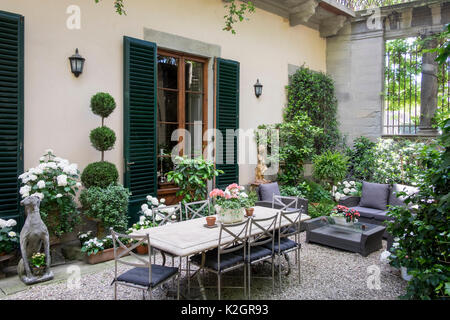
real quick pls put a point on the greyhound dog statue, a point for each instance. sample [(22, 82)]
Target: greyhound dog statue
[(33, 237)]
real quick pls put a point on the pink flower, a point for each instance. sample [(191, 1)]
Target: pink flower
[(233, 186), (216, 193)]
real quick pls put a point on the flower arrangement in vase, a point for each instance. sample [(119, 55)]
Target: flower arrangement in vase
[(230, 204), (343, 215)]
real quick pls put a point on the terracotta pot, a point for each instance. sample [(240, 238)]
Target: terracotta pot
[(142, 249), (249, 211), (315, 204), (103, 256), (210, 221)]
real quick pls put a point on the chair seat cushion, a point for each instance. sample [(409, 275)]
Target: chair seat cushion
[(286, 244), (369, 212), (226, 260), (374, 195), (258, 252), (140, 277)]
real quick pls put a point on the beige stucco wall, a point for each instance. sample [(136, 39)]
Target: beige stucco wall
[(57, 113)]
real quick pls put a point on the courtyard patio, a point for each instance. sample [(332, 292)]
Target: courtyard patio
[(225, 150)]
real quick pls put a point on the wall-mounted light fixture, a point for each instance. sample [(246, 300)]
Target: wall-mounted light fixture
[(76, 63), (258, 88)]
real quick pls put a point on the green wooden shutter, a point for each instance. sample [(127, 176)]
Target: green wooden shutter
[(11, 114), (227, 118), (140, 82)]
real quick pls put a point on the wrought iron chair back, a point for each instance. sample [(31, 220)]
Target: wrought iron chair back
[(197, 209), (284, 202), (265, 234), (128, 250), (168, 214), (238, 232), (294, 223)]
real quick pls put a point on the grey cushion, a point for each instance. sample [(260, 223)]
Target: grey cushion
[(226, 260), (399, 201), (370, 213), (374, 195), (285, 244), (258, 252), (267, 190), (140, 277)]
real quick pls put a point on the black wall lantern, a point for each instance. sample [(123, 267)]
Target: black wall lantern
[(258, 88), (76, 63)]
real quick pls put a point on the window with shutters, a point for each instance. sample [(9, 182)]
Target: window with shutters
[(182, 104), (11, 113)]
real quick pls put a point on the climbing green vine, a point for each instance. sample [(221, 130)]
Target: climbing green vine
[(236, 14)]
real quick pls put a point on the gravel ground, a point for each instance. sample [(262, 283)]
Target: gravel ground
[(326, 273)]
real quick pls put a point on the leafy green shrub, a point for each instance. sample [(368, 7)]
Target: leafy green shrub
[(102, 138), (330, 167), (312, 93), (423, 235), (102, 104), (398, 161), (192, 176), (362, 159), (323, 208), (109, 204), (296, 146), (99, 174), (291, 191)]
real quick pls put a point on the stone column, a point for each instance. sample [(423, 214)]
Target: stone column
[(429, 89)]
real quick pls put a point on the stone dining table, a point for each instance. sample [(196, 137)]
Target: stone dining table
[(190, 237)]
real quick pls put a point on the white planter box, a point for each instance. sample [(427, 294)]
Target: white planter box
[(230, 215)]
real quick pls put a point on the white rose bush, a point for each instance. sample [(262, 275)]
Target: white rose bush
[(9, 239), (55, 181)]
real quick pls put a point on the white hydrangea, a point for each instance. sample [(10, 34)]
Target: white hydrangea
[(12, 234), (59, 195), (25, 191), (154, 201), (353, 183), (147, 212), (78, 184), (40, 195), (337, 196), (62, 180), (144, 207), (11, 223), (346, 190), (51, 165), (142, 219), (353, 190), (2, 223), (41, 184), (33, 177), (162, 200)]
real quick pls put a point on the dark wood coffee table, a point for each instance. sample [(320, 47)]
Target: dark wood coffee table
[(363, 238)]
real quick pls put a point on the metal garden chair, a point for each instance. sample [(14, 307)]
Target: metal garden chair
[(282, 244), (284, 203), (145, 275), (229, 255), (197, 209), (256, 251)]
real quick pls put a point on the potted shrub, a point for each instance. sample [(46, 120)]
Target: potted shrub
[(55, 182), (145, 222), (38, 264), (108, 206), (344, 216), (9, 240), (330, 167), (229, 204)]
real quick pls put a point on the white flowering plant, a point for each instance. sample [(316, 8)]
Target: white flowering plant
[(95, 245), (346, 188), (147, 210), (55, 181), (9, 239)]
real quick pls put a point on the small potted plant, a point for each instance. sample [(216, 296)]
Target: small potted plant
[(8, 238), (37, 263), (249, 203), (343, 215), (101, 250)]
